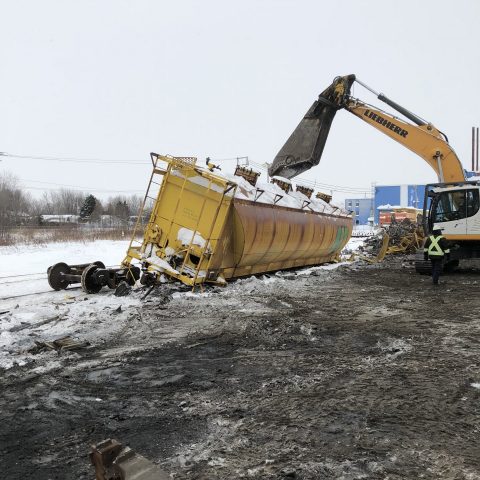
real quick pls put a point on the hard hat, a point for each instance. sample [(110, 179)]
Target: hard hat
[(437, 227)]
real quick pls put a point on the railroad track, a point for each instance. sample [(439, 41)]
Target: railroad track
[(22, 278), (37, 293), (7, 280)]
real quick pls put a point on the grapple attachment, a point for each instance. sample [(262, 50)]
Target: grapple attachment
[(304, 148)]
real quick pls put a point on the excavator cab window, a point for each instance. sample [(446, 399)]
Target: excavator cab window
[(455, 205), (473, 202)]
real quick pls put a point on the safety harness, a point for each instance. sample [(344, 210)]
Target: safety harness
[(434, 249)]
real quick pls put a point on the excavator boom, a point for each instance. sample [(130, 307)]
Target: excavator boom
[(304, 148)]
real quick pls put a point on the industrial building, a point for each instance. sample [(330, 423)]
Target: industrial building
[(398, 195), (361, 207), (394, 195)]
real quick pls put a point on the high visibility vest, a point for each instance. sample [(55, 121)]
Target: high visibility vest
[(434, 249)]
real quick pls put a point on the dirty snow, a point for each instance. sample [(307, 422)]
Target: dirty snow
[(30, 310), (270, 379), (49, 315), (353, 244)]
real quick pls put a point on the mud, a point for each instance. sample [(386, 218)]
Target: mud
[(363, 372)]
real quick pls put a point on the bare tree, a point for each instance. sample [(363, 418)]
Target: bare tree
[(61, 202), (14, 203), (123, 206)]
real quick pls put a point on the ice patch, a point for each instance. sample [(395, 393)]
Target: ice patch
[(475, 385)]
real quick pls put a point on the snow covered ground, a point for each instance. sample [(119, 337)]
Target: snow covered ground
[(23, 269), (354, 244), (30, 310)]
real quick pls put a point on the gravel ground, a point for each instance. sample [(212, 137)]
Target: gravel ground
[(360, 372)]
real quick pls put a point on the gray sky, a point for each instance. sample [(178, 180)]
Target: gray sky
[(116, 79)]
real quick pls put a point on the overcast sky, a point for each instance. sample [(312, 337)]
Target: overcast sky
[(114, 80)]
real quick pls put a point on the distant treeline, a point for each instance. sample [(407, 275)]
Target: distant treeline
[(18, 207)]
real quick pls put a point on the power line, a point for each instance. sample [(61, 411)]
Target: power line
[(83, 189), (63, 185), (76, 159), (98, 160), (307, 181)]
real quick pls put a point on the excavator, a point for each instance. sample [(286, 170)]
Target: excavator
[(452, 204)]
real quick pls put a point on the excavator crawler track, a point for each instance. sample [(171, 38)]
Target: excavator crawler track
[(422, 266)]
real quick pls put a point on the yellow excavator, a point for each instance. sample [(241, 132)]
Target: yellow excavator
[(452, 204)]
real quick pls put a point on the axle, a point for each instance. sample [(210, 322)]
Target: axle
[(91, 276)]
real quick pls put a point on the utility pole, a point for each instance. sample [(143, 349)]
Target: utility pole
[(372, 207)]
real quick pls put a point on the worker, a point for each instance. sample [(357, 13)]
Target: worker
[(211, 166), (435, 249)]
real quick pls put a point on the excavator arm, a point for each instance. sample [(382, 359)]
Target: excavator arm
[(304, 148)]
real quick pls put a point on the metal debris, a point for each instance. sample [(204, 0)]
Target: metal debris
[(60, 345), (123, 289), (403, 237), (25, 325), (113, 461)]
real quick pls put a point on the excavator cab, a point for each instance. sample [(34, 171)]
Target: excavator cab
[(456, 207)]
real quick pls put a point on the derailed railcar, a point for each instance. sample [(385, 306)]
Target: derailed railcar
[(206, 228)]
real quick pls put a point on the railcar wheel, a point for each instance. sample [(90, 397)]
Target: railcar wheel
[(132, 275), (89, 285), (55, 276)]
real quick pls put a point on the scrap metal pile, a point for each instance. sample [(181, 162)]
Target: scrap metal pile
[(404, 237)]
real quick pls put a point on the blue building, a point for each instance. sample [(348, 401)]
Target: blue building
[(362, 207), (398, 195)]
